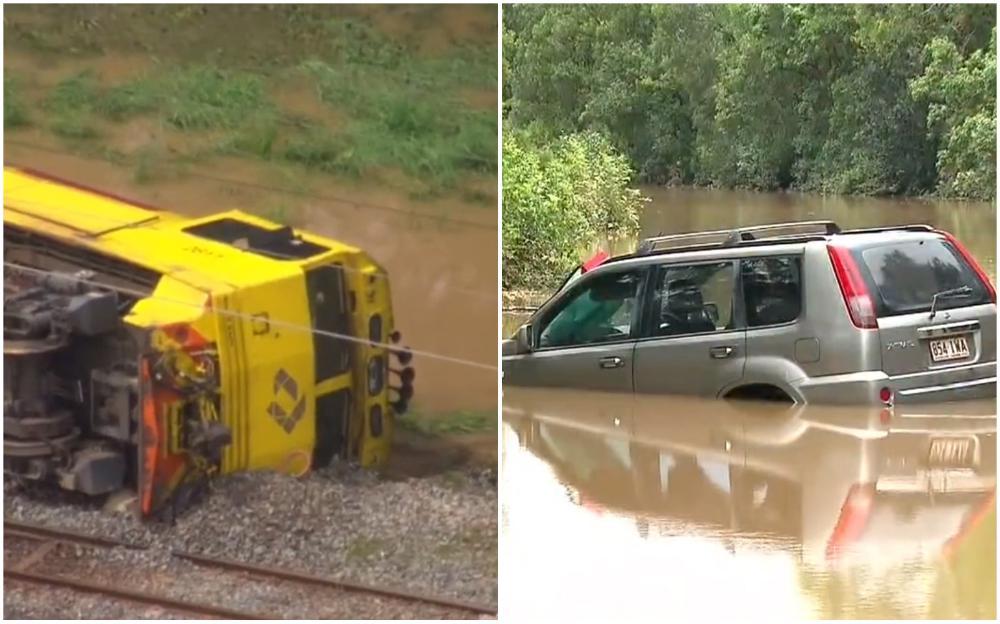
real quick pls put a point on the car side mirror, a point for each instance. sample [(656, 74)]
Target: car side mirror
[(523, 339)]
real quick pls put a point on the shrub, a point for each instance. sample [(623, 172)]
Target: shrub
[(559, 198)]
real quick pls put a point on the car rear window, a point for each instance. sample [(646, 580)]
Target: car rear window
[(905, 276)]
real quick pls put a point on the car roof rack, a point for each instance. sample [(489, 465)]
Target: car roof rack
[(772, 232), (891, 228)]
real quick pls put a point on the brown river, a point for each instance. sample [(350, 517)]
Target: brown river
[(617, 507)]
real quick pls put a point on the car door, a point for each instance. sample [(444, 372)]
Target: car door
[(584, 338), (692, 341)]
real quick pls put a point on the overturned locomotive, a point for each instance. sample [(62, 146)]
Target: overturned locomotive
[(145, 351)]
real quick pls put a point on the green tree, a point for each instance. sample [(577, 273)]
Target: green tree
[(558, 198), (862, 99), (961, 93)]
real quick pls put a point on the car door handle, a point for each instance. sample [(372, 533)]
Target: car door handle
[(611, 362), (721, 352)]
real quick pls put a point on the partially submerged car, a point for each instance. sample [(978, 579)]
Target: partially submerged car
[(802, 312)]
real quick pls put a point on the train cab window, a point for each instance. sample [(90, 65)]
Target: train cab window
[(328, 305), (280, 244)]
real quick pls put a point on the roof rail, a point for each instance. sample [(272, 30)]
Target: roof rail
[(891, 228), (729, 238)]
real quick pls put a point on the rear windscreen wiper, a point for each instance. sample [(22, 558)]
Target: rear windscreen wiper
[(961, 291)]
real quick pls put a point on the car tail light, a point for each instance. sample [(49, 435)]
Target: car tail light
[(885, 395), (595, 261), (971, 260), (853, 518), (852, 286)]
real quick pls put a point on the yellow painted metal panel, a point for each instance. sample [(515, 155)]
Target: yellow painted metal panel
[(81, 211), (267, 380)]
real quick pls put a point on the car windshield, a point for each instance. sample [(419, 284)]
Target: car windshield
[(907, 275)]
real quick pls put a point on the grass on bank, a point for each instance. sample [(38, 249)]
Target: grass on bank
[(449, 423), (402, 111)]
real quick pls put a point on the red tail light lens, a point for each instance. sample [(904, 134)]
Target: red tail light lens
[(595, 261), (972, 262), (852, 286), (885, 395)]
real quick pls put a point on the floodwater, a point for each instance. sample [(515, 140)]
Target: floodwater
[(617, 507), (674, 210)]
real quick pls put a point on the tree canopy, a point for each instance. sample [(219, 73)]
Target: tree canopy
[(858, 99)]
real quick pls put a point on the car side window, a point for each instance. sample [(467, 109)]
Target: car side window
[(602, 310), (693, 299), (772, 289)]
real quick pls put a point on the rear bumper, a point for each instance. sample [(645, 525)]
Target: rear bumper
[(978, 381)]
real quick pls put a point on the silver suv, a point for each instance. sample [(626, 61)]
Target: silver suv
[(801, 312)]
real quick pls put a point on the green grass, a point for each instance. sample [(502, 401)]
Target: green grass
[(74, 126), (449, 423), (206, 97), (70, 107), (132, 98), (327, 152), (192, 98), (407, 117), (257, 137), (15, 113), (403, 111)]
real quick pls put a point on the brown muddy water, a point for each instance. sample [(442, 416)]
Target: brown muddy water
[(617, 507), (675, 210)]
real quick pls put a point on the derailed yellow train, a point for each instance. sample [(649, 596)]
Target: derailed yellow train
[(148, 351)]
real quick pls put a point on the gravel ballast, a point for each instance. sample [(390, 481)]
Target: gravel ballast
[(436, 535)]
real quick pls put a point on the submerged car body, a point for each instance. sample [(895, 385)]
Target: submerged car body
[(803, 312)]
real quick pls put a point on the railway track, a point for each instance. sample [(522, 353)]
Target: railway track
[(46, 540)]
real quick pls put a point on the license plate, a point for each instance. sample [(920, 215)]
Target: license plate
[(945, 349), (952, 452)]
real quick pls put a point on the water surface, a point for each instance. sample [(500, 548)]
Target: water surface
[(617, 507)]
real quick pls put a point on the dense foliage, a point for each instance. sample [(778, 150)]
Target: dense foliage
[(860, 99), (558, 197)]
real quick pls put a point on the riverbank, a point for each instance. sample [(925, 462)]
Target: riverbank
[(161, 88)]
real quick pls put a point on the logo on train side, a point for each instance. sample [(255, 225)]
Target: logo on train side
[(287, 407)]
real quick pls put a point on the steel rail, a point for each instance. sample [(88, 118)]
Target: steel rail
[(20, 529), (323, 581), (130, 595)]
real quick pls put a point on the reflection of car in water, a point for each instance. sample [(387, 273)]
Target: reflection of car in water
[(838, 482), (801, 312)]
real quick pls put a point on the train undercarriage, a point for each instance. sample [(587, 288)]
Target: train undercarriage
[(74, 387)]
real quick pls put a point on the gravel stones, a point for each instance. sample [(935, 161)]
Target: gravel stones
[(436, 535)]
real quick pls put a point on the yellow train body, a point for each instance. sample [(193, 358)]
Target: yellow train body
[(236, 299)]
